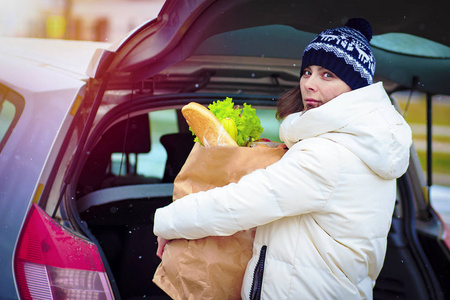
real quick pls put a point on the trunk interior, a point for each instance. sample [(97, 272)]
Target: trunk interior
[(116, 200)]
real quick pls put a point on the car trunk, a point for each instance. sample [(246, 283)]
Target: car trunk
[(120, 216), (167, 63)]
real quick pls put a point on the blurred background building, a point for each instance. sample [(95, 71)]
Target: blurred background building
[(93, 20)]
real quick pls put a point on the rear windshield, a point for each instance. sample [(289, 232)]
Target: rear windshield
[(11, 107)]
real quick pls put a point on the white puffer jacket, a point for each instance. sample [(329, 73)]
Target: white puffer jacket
[(323, 211)]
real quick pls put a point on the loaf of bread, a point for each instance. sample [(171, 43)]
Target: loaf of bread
[(206, 126)]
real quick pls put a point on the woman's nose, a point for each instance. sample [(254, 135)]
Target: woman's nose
[(311, 83)]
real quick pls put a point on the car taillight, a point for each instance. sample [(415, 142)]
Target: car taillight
[(52, 263)]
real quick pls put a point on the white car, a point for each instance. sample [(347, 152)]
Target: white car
[(92, 138)]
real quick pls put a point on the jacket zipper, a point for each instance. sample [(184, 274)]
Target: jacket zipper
[(255, 292)]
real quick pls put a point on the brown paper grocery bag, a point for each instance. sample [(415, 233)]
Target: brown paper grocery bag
[(212, 267)]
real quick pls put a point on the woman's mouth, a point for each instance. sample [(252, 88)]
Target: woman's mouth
[(312, 103)]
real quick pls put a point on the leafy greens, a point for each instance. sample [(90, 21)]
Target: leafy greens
[(247, 122)]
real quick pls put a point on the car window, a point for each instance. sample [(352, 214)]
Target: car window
[(164, 122), (269, 123), (151, 164), (11, 107), (413, 106), (7, 113)]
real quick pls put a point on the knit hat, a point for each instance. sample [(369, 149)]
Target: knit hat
[(345, 51)]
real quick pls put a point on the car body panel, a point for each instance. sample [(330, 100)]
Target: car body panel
[(69, 58), (49, 88)]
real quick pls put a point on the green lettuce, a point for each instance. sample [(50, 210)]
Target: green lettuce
[(247, 122)]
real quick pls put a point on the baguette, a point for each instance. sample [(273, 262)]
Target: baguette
[(206, 126)]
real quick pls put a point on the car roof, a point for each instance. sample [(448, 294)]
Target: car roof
[(182, 26), (56, 63)]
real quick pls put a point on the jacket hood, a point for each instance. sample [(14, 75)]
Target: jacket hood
[(365, 122)]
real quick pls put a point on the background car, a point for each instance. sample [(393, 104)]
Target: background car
[(86, 159)]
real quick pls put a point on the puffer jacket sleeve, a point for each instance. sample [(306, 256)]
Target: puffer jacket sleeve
[(301, 182)]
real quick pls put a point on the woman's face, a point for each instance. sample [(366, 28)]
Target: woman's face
[(319, 85)]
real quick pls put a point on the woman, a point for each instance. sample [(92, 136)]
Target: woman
[(324, 210)]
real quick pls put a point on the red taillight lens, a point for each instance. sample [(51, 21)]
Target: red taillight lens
[(52, 263)]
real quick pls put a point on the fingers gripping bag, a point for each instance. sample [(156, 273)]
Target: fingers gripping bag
[(212, 267)]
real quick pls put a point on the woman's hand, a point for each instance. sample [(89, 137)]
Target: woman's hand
[(161, 244)]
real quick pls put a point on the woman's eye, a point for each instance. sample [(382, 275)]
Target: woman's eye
[(328, 75), (306, 72)]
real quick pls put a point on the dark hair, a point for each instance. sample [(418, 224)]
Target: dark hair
[(290, 102)]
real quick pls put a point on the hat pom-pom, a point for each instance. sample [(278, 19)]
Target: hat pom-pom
[(362, 25)]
